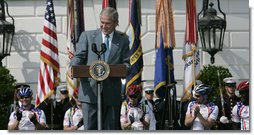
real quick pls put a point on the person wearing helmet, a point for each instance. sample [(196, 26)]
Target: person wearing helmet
[(135, 114), (230, 100), (16, 102), (201, 113), (18, 87), (27, 117), (241, 111)]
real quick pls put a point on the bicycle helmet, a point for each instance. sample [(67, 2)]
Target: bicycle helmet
[(244, 85), (134, 90), (201, 89), (25, 91)]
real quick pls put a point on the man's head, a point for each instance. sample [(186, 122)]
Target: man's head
[(18, 87), (25, 95), (108, 20), (149, 92), (134, 93), (243, 88), (230, 86), (63, 90), (201, 92)]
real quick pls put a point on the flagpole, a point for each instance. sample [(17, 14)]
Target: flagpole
[(99, 105), (168, 108), (193, 47), (169, 86), (52, 113)]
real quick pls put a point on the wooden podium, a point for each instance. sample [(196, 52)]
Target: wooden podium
[(115, 71)]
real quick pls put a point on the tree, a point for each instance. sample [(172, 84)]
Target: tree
[(7, 86), (209, 76)]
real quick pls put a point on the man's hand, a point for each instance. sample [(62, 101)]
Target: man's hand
[(196, 110), (81, 123), (131, 117), (32, 118), (224, 120), (18, 115), (69, 73), (142, 118)]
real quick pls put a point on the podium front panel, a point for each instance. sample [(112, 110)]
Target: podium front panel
[(115, 71)]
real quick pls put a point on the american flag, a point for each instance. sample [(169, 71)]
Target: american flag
[(48, 78)]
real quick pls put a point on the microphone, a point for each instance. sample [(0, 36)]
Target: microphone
[(94, 48), (103, 48)]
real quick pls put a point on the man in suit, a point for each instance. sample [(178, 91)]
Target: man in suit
[(111, 87)]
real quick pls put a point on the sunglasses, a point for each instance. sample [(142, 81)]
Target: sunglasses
[(149, 92), (133, 96), (64, 92), (230, 85), (197, 95), (26, 97)]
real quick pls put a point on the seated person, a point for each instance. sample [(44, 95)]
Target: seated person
[(241, 111), (201, 113), (73, 118), (135, 114), (27, 117)]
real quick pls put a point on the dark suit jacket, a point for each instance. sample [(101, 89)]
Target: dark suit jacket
[(119, 54)]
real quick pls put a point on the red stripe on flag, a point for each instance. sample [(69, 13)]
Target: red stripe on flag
[(50, 59), (48, 79), (50, 46), (42, 84), (50, 32), (37, 102)]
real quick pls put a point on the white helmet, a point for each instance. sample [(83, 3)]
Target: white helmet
[(201, 89)]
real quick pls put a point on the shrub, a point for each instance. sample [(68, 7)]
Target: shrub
[(7, 85), (209, 75)]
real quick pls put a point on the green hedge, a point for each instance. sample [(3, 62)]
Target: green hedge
[(7, 85), (209, 75)]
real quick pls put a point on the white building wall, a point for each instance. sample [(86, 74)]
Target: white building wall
[(28, 14)]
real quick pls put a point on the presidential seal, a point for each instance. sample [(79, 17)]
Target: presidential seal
[(99, 70)]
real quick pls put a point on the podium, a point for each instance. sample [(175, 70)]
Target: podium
[(119, 70), (115, 71)]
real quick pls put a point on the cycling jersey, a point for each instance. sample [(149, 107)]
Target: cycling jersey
[(72, 117), (137, 112), (25, 123), (207, 111), (240, 114)]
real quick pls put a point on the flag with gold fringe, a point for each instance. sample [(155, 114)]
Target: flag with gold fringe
[(164, 45), (191, 54), (136, 54), (75, 18), (49, 74)]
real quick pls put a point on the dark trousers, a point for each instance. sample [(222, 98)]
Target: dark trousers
[(110, 116)]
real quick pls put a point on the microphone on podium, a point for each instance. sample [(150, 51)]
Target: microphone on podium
[(94, 48), (103, 48)]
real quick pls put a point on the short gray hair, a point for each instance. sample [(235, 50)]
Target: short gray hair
[(110, 12)]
